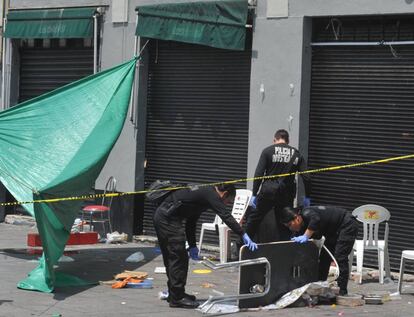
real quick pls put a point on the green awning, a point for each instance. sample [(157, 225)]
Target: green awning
[(219, 24), (51, 23)]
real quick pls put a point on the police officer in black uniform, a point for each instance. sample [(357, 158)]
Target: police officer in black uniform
[(277, 193), (175, 222), (339, 228)]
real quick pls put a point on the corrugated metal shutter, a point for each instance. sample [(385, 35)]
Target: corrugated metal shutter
[(198, 116), (45, 69), (362, 109)]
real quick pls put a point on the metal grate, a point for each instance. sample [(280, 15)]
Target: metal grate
[(362, 109), (198, 116)]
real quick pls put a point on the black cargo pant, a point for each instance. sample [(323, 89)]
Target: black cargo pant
[(171, 238), (340, 246), (264, 204)]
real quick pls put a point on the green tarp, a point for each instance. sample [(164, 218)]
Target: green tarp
[(51, 23), (55, 146), (220, 24)]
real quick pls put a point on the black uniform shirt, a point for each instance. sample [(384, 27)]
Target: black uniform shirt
[(281, 159), (324, 220), (195, 202)]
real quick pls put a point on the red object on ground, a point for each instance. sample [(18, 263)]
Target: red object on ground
[(33, 239)]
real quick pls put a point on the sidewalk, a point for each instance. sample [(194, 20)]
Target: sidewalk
[(101, 262)]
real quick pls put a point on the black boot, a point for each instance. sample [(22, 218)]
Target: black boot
[(190, 297), (183, 303)]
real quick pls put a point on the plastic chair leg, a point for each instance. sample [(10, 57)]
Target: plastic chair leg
[(224, 241), (381, 265), (201, 240), (387, 263), (400, 280), (360, 262)]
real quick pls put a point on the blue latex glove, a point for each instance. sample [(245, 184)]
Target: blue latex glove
[(250, 244), (252, 202), (306, 201), (301, 239), (193, 252)]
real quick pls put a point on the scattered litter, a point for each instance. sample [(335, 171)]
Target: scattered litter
[(20, 220), (57, 315), (409, 303), (202, 271), (123, 303), (341, 313), (157, 250), (160, 270), (124, 282), (77, 225), (163, 295), (147, 283), (133, 278), (135, 257), (116, 237), (208, 285), (350, 300), (133, 274), (65, 258), (373, 300)]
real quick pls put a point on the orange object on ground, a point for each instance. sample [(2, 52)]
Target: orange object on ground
[(123, 283)]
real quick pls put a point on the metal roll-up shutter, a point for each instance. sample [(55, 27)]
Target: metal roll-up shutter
[(45, 69), (362, 109), (198, 116)]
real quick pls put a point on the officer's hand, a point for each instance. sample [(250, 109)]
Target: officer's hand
[(301, 239), (306, 201), (250, 244), (193, 253), (252, 202)]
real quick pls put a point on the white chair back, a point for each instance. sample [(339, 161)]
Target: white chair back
[(371, 216), (241, 202)]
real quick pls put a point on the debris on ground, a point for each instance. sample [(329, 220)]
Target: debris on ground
[(350, 300), (65, 258), (208, 285), (163, 295), (135, 257), (131, 279), (20, 220), (160, 270), (134, 274), (116, 237)]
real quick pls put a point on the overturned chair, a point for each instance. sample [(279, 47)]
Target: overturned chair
[(268, 273)]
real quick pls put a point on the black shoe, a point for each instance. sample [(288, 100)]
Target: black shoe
[(343, 292), (183, 303), (190, 297)]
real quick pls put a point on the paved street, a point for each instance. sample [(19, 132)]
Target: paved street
[(101, 262)]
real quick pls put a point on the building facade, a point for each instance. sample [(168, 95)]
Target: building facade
[(338, 75)]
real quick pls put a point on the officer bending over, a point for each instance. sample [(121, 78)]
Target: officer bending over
[(338, 226), (186, 206)]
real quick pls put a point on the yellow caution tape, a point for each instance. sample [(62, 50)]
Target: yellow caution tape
[(318, 170)]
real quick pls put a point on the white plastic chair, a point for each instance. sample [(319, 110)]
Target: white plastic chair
[(371, 216), (406, 255), (241, 202)]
